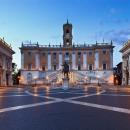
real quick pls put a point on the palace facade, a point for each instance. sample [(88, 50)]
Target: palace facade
[(6, 53), (89, 63), (126, 63)]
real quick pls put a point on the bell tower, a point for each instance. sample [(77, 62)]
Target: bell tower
[(67, 34)]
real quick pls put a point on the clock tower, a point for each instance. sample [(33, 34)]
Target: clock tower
[(67, 34)]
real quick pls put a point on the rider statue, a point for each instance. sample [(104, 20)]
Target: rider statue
[(65, 70)]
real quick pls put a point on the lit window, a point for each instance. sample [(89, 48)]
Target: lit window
[(29, 77)]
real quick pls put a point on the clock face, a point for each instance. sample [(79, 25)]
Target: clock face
[(67, 43)]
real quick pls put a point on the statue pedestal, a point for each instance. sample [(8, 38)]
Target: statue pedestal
[(65, 84)]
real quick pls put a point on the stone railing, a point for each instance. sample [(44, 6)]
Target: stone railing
[(62, 46), (6, 44)]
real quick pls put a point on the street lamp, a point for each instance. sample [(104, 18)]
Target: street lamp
[(85, 79), (98, 79), (35, 81)]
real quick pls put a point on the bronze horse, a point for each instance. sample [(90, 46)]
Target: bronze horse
[(65, 70)]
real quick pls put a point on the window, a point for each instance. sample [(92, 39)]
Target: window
[(79, 67), (67, 58), (67, 53), (43, 68), (54, 56), (67, 40), (104, 52), (7, 63), (67, 31), (79, 53), (29, 66), (43, 54), (1, 62), (90, 67), (90, 53), (79, 56), (29, 77), (29, 53), (104, 66), (54, 67)]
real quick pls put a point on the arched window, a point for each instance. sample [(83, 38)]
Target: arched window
[(67, 31), (67, 40), (29, 77), (104, 66)]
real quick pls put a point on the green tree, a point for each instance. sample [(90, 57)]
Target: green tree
[(15, 74)]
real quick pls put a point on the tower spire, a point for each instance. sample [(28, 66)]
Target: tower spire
[(67, 34), (67, 21)]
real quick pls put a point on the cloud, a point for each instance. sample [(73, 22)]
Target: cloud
[(114, 21), (118, 37)]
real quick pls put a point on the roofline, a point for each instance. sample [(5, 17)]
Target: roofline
[(126, 44)]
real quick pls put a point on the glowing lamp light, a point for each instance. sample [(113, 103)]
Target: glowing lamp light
[(47, 77)]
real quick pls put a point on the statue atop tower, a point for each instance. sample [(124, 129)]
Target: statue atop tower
[(67, 34)]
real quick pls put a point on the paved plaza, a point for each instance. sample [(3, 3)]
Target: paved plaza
[(86, 108)]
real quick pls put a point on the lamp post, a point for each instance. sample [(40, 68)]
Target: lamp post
[(86, 79), (35, 81), (98, 80)]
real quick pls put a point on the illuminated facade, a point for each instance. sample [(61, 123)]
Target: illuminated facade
[(87, 62), (126, 63), (6, 53)]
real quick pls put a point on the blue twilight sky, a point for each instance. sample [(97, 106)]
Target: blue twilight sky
[(42, 20)]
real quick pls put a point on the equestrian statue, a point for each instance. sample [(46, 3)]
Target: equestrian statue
[(65, 70)]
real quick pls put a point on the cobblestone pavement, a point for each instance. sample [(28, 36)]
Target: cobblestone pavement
[(78, 108)]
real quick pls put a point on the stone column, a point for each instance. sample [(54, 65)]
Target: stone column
[(96, 60), (60, 61), (124, 71), (84, 61), (73, 61), (4, 78), (22, 60), (4, 62), (49, 61), (37, 61)]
